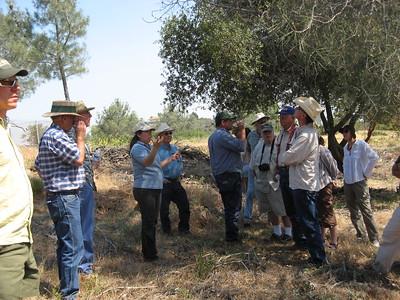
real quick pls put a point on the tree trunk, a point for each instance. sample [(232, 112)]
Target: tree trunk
[(371, 129), (64, 81)]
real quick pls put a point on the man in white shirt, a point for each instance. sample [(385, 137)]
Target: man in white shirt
[(358, 163), (303, 160)]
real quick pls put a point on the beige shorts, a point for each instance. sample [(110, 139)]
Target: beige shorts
[(269, 200)]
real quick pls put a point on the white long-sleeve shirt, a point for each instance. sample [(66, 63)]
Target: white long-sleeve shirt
[(303, 159), (358, 162)]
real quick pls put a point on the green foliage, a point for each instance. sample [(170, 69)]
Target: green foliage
[(205, 264), (37, 185), (62, 28), (212, 60), (245, 55), (34, 133), (115, 125), (187, 126), (17, 44)]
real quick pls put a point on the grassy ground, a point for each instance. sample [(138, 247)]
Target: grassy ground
[(203, 266)]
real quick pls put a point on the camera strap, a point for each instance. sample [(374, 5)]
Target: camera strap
[(270, 152)]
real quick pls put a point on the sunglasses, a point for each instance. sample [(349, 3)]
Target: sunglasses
[(168, 133), (8, 83)]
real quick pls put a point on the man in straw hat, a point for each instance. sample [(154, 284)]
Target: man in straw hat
[(86, 194), (252, 141), (19, 275), (172, 187), (60, 165), (226, 166), (303, 161)]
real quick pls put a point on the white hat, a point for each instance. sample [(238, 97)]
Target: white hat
[(141, 126), (310, 106), (259, 116), (163, 128)]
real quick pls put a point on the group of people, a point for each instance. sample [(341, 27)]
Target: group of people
[(291, 175)]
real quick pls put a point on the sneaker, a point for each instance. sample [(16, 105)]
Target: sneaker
[(275, 238), (375, 243), (286, 238)]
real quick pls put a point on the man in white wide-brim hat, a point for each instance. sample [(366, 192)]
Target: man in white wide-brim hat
[(60, 165), (303, 161), (252, 140), (173, 190)]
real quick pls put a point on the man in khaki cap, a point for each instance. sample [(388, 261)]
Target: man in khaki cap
[(302, 158), (86, 194), (19, 275), (60, 165)]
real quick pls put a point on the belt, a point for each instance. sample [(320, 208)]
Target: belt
[(68, 192), (283, 168), (171, 180)]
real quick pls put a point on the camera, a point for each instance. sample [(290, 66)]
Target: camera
[(263, 167)]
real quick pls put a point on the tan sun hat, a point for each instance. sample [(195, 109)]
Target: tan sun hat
[(259, 116), (310, 106), (163, 128), (142, 126), (60, 108), (82, 108)]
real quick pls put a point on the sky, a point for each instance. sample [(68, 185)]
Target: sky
[(122, 63)]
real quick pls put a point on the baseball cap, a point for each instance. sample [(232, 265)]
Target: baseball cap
[(7, 70), (267, 127), (286, 110)]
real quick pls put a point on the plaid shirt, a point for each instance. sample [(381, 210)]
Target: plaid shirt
[(55, 161)]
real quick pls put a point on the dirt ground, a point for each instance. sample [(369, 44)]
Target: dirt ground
[(202, 265)]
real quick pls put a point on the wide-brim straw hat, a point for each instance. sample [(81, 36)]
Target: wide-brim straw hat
[(164, 127), (310, 106), (259, 116), (61, 108)]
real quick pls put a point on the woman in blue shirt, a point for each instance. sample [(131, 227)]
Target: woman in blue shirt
[(147, 184)]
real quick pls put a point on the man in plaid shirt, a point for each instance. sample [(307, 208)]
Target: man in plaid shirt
[(60, 165)]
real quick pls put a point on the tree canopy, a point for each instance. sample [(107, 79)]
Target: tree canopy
[(245, 55)]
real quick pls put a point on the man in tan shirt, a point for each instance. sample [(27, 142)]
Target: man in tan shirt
[(19, 275), (303, 161)]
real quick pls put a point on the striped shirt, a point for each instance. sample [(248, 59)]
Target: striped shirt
[(55, 161)]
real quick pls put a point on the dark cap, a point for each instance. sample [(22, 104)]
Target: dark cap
[(267, 127), (348, 128), (7, 71), (286, 110), (224, 115)]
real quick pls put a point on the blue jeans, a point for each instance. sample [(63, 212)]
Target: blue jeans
[(230, 188), (88, 209), (64, 210), (306, 210), (248, 207), (287, 195)]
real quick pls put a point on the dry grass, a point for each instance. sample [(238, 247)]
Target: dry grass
[(203, 266)]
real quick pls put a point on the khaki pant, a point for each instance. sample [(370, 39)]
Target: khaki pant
[(19, 275), (269, 200), (358, 200), (389, 251)]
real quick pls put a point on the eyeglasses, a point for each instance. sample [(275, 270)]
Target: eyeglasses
[(168, 133), (8, 83)]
